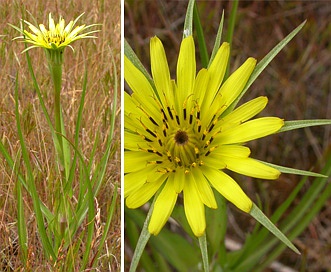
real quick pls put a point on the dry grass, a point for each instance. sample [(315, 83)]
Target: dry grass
[(94, 55), (297, 84)]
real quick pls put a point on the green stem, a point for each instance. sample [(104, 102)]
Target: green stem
[(55, 61), (204, 252), (57, 80)]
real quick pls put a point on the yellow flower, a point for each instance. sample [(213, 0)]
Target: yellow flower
[(179, 138), (57, 37)]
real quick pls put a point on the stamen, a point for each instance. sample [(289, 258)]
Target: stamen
[(146, 139), (164, 115), (151, 132), (170, 113), (153, 121), (211, 127), (198, 114), (177, 119), (191, 119)]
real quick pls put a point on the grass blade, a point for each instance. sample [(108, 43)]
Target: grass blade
[(264, 63), (201, 39), (32, 187)]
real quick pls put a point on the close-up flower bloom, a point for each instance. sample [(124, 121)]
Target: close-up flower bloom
[(57, 36), (180, 135)]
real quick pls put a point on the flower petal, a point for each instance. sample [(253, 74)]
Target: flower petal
[(233, 86), (134, 142), (163, 207), (141, 87), (137, 160), (250, 130), (227, 187), (237, 151), (143, 194), (200, 86), (214, 159), (160, 70), (135, 180), (250, 167), (186, 69), (194, 208), (205, 192), (178, 179), (216, 72), (246, 111)]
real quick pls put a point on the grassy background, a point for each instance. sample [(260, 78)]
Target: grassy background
[(297, 83), (94, 55)]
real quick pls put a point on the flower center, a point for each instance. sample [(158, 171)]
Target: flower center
[(181, 147), (54, 37), (181, 137)]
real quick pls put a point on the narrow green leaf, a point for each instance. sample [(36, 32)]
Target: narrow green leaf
[(264, 63), (299, 218), (32, 186), (49, 216), (201, 39), (262, 219), (21, 225), (134, 221), (114, 106), (91, 218), (288, 170), (204, 252), (131, 55), (188, 24), (217, 43), (291, 125), (143, 239)]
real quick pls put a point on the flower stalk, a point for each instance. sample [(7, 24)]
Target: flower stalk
[(55, 62)]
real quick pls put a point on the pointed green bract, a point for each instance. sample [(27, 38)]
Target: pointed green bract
[(296, 124), (293, 171), (263, 220), (265, 61), (188, 24)]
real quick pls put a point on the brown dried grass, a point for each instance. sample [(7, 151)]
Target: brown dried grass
[(95, 55)]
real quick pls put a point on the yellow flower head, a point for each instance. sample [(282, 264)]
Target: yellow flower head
[(179, 137), (57, 36)]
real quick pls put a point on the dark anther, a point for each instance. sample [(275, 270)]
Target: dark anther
[(151, 132), (164, 115), (191, 119), (177, 119), (153, 121), (170, 113)]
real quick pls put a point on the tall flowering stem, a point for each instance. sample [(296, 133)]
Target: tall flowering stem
[(54, 40), (62, 223), (55, 62)]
